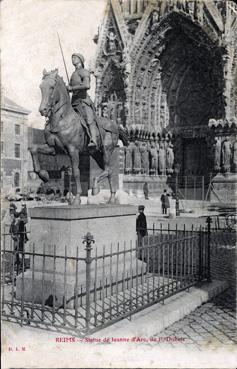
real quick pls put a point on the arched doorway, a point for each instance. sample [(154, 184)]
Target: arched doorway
[(177, 85)]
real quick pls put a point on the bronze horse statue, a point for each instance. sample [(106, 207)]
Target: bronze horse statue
[(66, 130)]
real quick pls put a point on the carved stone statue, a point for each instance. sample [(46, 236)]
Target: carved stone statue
[(226, 154), (111, 42), (144, 158), (136, 158), (161, 159), (217, 154), (154, 159), (128, 158), (235, 157), (154, 21), (105, 113), (169, 159)]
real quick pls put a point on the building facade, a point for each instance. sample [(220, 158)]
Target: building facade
[(167, 72), (14, 146)]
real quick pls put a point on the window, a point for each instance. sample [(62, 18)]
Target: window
[(17, 150), (2, 147), (17, 179), (17, 129)]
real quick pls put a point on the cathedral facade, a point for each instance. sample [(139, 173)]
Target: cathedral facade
[(166, 71)]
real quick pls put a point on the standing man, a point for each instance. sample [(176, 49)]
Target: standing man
[(81, 101), (22, 236), (141, 225), (165, 203), (15, 237)]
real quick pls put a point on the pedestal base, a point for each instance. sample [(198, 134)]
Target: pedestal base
[(62, 229)]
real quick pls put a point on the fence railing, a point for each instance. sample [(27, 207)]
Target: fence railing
[(99, 286), (191, 187)]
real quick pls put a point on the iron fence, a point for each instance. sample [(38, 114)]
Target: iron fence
[(100, 285), (191, 187)]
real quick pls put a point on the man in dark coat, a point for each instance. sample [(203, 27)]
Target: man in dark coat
[(141, 229), (22, 238), (141, 224), (15, 237), (165, 203)]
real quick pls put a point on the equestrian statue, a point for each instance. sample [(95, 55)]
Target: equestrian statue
[(73, 127)]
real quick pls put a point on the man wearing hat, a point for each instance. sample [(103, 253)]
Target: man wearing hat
[(141, 224), (81, 101)]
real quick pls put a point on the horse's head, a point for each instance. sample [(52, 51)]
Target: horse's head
[(51, 92)]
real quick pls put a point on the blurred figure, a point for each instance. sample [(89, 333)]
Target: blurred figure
[(22, 239), (14, 235), (146, 190), (23, 212), (165, 203), (141, 224), (12, 208)]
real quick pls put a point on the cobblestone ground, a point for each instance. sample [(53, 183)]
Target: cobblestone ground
[(212, 325)]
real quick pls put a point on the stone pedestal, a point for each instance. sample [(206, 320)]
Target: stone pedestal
[(224, 188), (62, 229)]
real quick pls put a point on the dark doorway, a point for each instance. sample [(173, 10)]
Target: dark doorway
[(195, 157)]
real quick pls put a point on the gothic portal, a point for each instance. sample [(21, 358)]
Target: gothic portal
[(166, 72)]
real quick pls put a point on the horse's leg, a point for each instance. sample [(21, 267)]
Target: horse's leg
[(107, 172), (74, 156), (43, 149)]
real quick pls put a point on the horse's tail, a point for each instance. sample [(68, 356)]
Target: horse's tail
[(124, 136)]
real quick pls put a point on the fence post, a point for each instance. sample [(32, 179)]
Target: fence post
[(209, 221), (88, 239), (200, 253)]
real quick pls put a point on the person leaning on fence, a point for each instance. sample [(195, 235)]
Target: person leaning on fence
[(14, 235), (165, 203), (22, 236)]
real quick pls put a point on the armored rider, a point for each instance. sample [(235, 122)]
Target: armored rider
[(81, 101)]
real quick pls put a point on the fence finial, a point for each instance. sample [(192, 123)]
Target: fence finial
[(88, 239)]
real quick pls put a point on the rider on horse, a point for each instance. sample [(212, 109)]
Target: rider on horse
[(81, 101)]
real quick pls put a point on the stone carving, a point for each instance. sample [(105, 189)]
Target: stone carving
[(154, 21), (234, 161), (144, 158), (226, 154), (171, 81), (154, 159), (161, 159), (217, 154), (112, 43), (132, 26), (128, 159), (136, 158), (105, 113), (169, 159)]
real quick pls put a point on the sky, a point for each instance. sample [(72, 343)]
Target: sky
[(29, 44)]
